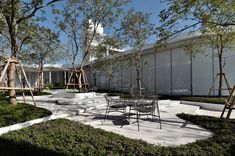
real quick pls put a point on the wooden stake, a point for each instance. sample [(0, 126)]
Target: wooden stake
[(226, 82), (5, 66), (4, 69), (28, 84), (229, 104), (21, 84)]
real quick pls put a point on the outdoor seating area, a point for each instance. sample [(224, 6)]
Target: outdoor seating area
[(132, 118), (117, 77), (137, 107)]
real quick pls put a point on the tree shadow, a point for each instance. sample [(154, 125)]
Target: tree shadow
[(11, 148)]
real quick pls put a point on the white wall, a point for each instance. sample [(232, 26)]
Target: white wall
[(181, 72), (173, 72), (148, 73), (163, 72)]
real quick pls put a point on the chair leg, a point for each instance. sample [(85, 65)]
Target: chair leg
[(160, 122), (106, 111), (138, 121), (159, 117), (153, 115), (130, 114)]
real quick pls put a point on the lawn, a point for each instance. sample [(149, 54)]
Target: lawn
[(10, 114), (64, 137)]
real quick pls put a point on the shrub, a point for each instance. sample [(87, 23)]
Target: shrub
[(10, 114), (58, 85), (50, 85), (64, 137), (205, 99)]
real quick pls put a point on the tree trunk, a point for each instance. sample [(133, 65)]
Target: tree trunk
[(220, 52), (94, 78), (138, 80), (13, 30), (109, 81), (220, 75), (41, 79), (11, 82)]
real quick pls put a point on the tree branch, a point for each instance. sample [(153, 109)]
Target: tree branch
[(35, 9), (21, 44)]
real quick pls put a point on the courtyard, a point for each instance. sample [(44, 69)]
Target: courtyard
[(77, 127), (91, 111), (117, 77)]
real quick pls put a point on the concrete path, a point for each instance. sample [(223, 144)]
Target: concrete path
[(175, 131)]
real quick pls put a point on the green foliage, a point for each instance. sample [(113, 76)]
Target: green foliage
[(205, 99), (135, 30), (64, 137), (213, 19), (203, 15), (20, 113), (107, 57), (23, 14), (50, 85), (58, 85), (80, 20)]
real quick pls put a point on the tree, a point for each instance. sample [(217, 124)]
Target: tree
[(107, 56), (15, 14), (69, 23), (83, 19), (215, 20), (43, 48), (135, 31)]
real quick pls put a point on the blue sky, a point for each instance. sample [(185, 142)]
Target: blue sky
[(151, 6)]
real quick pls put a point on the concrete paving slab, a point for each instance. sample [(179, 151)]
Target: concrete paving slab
[(175, 131)]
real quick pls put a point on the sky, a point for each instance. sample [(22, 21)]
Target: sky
[(148, 6)]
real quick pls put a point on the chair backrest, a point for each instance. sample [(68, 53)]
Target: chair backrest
[(154, 104), (107, 99)]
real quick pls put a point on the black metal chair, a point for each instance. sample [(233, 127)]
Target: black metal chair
[(148, 108), (114, 105)]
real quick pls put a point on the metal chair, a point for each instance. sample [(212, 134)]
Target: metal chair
[(113, 105), (148, 108)]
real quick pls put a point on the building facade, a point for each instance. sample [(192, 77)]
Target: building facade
[(170, 71)]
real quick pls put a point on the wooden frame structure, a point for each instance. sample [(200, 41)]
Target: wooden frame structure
[(78, 80), (226, 82), (19, 70), (229, 104)]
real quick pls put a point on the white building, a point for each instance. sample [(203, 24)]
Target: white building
[(57, 76), (170, 70), (100, 34)]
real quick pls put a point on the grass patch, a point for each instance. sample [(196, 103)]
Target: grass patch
[(64, 137), (215, 100), (10, 114)]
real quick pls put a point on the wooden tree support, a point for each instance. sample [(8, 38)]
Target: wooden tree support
[(78, 80), (19, 71), (229, 104), (229, 89)]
